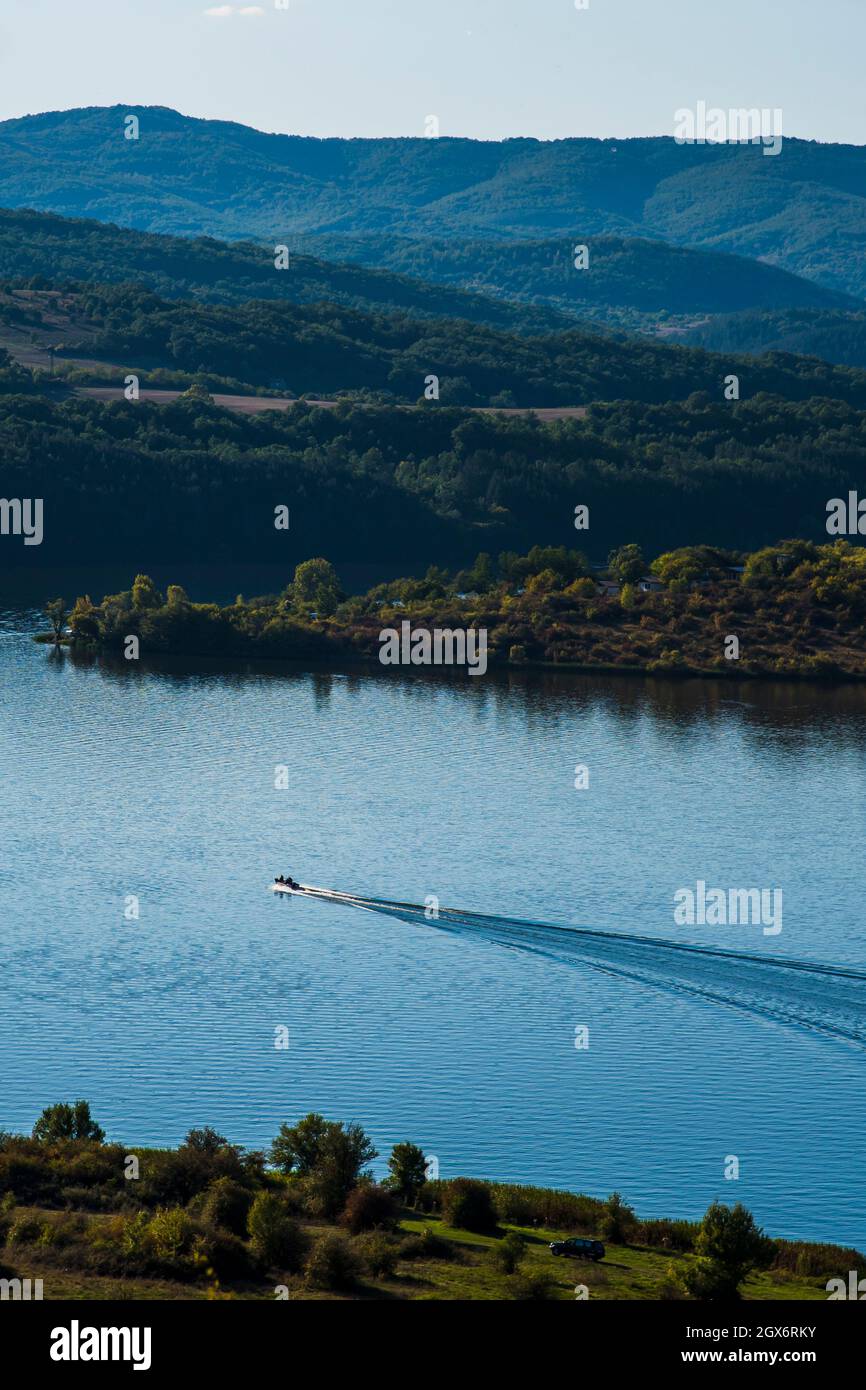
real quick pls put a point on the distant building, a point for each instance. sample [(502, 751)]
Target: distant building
[(650, 584)]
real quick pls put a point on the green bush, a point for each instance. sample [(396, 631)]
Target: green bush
[(332, 1264), (468, 1206), (224, 1254), (543, 1206), (25, 1230), (427, 1246), (379, 1253), (618, 1223), (369, 1206), (226, 1203), (276, 1238), (805, 1259), (507, 1254), (169, 1234)]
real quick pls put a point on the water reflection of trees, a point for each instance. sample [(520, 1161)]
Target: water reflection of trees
[(790, 713)]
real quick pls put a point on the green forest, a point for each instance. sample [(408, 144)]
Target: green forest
[(415, 486)]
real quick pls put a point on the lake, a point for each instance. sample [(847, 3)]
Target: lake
[(150, 787)]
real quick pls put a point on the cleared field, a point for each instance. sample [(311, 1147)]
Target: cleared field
[(254, 405)]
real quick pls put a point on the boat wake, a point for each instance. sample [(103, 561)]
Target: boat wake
[(823, 998)]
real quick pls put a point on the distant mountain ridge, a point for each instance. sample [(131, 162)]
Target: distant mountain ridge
[(523, 286), (630, 283), (803, 210), (67, 249)]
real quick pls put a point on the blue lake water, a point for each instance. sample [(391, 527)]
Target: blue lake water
[(157, 781)]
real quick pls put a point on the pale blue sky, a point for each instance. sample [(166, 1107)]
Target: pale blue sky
[(486, 68)]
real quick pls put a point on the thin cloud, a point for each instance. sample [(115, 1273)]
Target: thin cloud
[(226, 11)]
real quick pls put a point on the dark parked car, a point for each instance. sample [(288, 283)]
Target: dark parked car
[(578, 1248)]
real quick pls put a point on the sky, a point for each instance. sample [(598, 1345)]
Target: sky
[(488, 69)]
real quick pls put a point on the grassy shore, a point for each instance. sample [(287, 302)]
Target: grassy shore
[(211, 1220), (467, 1273)]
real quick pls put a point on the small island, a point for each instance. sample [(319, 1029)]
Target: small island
[(791, 610)]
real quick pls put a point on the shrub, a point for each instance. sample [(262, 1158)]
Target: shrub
[(169, 1234), (369, 1206), (61, 1230), (507, 1254), (27, 1176), (379, 1253), (226, 1203), (332, 1263), (224, 1255), (427, 1246), (544, 1206), (468, 1205), (619, 1223), (275, 1237), (812, 1260), (173, 1178), (25, 1230)]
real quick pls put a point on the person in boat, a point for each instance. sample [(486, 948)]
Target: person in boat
[(279, 879)]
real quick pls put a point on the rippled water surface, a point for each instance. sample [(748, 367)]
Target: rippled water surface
[(158, 782)]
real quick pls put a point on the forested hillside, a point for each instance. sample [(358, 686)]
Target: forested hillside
[(322, 349), (804, 210), (188, 482), (632, 283), (66, 250), (836, 335)]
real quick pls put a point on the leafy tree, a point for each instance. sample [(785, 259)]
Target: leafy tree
[(297, 1148), (330, 1156), (346, 1150), (316, 586), (626, 564), (145, 593), (729, 1246), (64, 1121), (408, 1171), (619, 1220), (205, 1141), (55, 611)]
